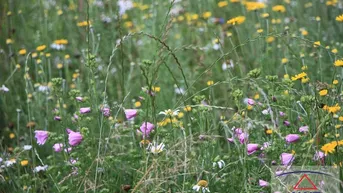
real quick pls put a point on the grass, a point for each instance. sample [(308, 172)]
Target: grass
[(211, 88)]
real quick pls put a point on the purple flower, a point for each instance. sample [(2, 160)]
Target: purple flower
[(252, 148), (318, 155), (230, 140), (68, 150), (292, 138), (74, 138), (238, 131), (130, 113), (249, 101), (85, 110), (58, 147), (243, 137), (41, 136), (79, 99), (106, 111), (287, 123), (263, 183), (303, 129), (265, 145), (57, 118), (282, 113), (286, 158), (146, 129)]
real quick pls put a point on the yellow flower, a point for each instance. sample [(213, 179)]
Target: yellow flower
[(332, 109), (59, 66), (61, 42), (41, 48), (270, 39), (335, 82), (206, 15), (338, 63), (24, 163), (328, 148), (279, 8), (316, 44), (339, 18), (67, 56), (323, 92), (269, 131), (83, 23), (180, 115), (340, 118), (334, 51), (138, 104), (18, 66), (265, 15), (304, 68), (12, 135), (305, 80), (210, 82), (249, 107), (304, 32), (235, 1), (286, 76), (338, 126), (259, 31), (47, 55), (236, 20), (202, 183), (299, 76), (187, 108), (59, 12), (222, 3), (257, 96), (22, 52), (9, 41), (156, 88), (317, 18), (252, 6), (284, 60)]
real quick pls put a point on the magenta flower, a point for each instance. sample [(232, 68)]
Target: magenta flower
[(291, 138), (58, 147), (146, 129), (286, 158), (74, 138), (230, 140), (106, 111), (252, 148), (303, 129), (282, 113), (238, 131), (130, 113), (318, 155), (41, 136), (287, 123), (85, 110), (243, 137), (263, 183)]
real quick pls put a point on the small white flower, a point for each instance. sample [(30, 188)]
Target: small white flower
[(266, 111), (4, 88), (27, 147), (154, 148), (216, 46), (169, 112), (124, 5), (201, 186), (57, 46), (10, 162), (40, 168), (220, 164)]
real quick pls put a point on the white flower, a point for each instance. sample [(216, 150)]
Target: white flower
[(216, 46), (42, 88), (156, 149), (266, 111), (10, 162), (220, 164), (27, 147), (57, 46), (169, 112), (1, 159), (179, 90), (124, 5), (201, 186), (40, 168), (4, 88)]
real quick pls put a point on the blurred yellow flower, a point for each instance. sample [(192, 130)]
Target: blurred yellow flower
[(338, 63), (61, 42), (279, 8), (210, 82), (206, 15), (299, 76), (252, 6), (156, 88), (316, 44), (339, 18), (334, 51), (323, 92), (24, 162), (187, 108), (41, 48), (236, 20), (83, 23), (138, 104), (9, 41), (270, 39), (22, 52), (222, 3), (284, 60), (335, 82), (59, 12), (12, 136), (264, 15)]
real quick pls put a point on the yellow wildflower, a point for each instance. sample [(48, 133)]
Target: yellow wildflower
[(299, 76), (206, 15), (323, 92), (339, 18), (335, 82), (316, 44), (279, 8), (236, 20), (22, 52), (338, 63), (41, 48), (138, 104), (334, 51), (222, 3), (210, 82), (24, 163)]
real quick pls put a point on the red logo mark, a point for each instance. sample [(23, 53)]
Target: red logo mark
[(305, 177)]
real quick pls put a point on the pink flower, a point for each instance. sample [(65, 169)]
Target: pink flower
[(318, 155), (230, 140), (243, 137), (85, 110), (146, 129), (58, 147), (41, 136), (238, 131), (106, 111), (249, 101), (57, 118), (68, 150), (79, 99), (130, 113), (252, 148), (282, 113), (287, 123), (303, 129), (74, 138), (263, 183), (292, 138), (286, 158)]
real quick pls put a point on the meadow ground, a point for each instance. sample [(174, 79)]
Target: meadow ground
[(167, 96)]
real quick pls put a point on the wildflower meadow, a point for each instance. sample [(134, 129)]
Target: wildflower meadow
[(169, 96)]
